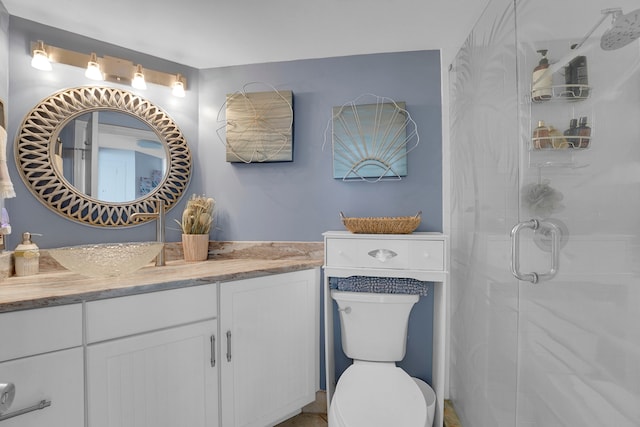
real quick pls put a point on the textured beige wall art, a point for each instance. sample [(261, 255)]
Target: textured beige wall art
[(259, 126)]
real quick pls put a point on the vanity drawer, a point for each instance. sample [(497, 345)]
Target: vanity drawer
[(412, 254), (135, 314), (40, 330)]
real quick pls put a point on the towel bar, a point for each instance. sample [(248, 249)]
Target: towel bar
[(40, 405)]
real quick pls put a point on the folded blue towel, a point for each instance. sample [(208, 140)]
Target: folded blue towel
[(381, 285)]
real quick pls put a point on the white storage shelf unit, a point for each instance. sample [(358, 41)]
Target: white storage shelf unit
[(420, 256)]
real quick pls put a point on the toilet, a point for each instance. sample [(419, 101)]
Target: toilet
[(373, 391)]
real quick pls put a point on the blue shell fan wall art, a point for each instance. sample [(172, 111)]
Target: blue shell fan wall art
[(371, 137)]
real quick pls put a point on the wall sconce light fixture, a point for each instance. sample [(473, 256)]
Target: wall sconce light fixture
[(40, 59), (106, 68)]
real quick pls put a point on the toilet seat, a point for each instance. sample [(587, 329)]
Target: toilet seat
[(377, 395)]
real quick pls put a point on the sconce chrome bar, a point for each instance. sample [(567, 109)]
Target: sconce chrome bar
[(116, 70), (534, 224)]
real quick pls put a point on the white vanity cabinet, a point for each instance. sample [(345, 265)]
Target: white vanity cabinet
[(421, 256), (269, 329), (41, 355), (152, 359)]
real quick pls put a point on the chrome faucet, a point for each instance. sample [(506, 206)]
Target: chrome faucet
[(159, 216)]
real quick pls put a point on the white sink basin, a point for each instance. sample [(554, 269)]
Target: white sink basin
[(106, 259)]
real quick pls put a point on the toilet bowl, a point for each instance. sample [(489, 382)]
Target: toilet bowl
[(373, 391), (381, 396)]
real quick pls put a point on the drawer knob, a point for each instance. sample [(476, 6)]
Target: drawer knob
[(426, 254), (382, 255)]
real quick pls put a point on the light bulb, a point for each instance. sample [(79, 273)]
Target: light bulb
[(93, 69), (40, 59), (138, 81), (178, 88)]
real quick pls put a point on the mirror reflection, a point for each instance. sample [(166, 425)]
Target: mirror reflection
[(110, 156)]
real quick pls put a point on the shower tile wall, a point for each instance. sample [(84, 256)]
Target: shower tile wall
[(564, 352)]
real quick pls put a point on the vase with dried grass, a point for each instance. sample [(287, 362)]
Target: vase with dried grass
[(197, 218)]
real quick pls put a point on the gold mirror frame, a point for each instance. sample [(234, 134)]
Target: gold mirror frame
[(33, 155)]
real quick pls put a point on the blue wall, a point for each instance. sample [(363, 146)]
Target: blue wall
[(300, 200), (294, 201)]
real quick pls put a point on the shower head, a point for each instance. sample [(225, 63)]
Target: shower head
[(626, 29)]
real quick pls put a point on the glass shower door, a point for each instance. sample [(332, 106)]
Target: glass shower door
[(578, 343), (564, 351), (485, 170)]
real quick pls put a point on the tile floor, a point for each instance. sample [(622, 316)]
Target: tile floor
[(306, 420), (313, 415)]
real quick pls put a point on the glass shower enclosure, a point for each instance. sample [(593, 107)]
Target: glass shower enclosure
[(545, 216)]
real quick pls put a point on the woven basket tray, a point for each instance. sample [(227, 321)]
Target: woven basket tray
[(382, 225)]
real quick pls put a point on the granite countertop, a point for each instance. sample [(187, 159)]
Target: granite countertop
[(227, 261)]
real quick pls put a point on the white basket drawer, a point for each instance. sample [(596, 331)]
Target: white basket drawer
[(386, 253)]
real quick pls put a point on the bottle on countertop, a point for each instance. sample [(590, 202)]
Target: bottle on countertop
[(584, 133), (571, 133), (541, 137), (27, 256), (541, 80), (576, 74)]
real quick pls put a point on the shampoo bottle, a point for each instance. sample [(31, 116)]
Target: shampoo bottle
[(541, 84), (541, 137), (27, 256), (584, 133), (571, 133), (576, 74)]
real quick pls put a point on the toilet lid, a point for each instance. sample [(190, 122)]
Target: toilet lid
[(378, 396)]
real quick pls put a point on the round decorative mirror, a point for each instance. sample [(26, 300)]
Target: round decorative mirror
[(96, 155)]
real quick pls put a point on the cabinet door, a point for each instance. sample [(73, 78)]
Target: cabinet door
[(165, 378), (55, 377), (269, 347)]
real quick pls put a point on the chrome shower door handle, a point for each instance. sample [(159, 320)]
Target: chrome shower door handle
[(556, 235), (515, 251), (534, 224)]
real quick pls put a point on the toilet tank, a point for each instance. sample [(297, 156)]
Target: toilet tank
[(374, 326)]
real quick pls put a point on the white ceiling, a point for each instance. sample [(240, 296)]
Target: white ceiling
[(217, 33)]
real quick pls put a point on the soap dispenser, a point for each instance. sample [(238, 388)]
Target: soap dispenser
[(27, 256), (541, 84)]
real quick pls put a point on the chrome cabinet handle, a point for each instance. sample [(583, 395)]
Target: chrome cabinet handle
[(213, 351), (382, 255), (228, 346), (534, 224)]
